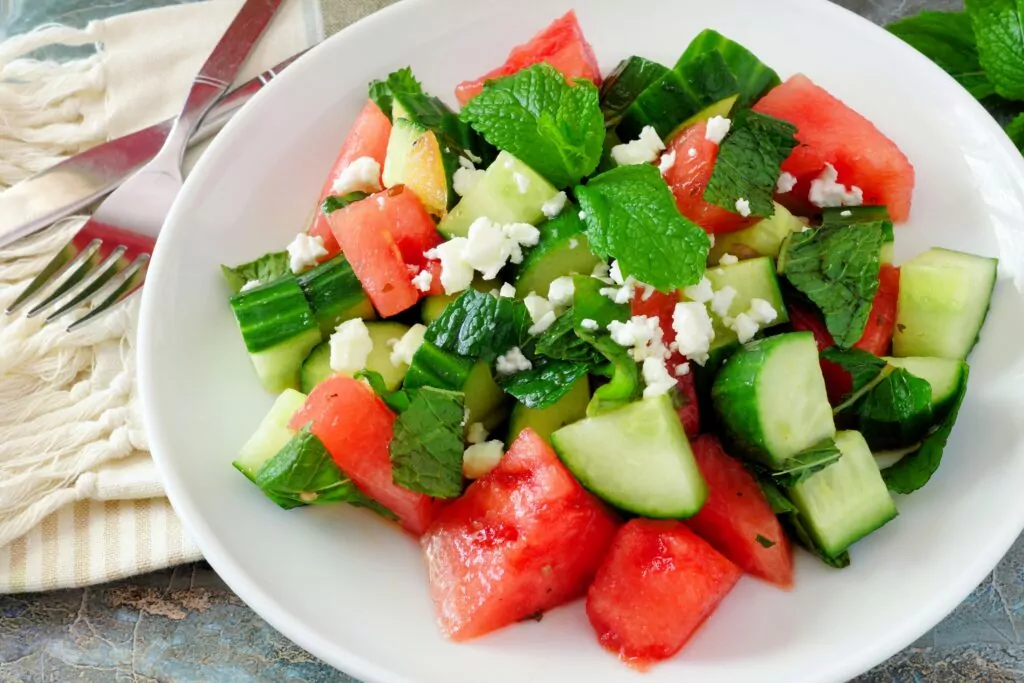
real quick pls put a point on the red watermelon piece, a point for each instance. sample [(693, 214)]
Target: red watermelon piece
[(830, 132), (356, 428), (658, 584), (561, 45), (737, 519), (523, 539), (688, 177)]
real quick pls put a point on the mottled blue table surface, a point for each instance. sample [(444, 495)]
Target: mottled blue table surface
[(186, 625)]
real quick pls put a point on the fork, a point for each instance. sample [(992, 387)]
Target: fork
[(111, 251)]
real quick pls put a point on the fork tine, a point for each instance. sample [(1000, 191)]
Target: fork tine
[(133, 278), (67, 259), (110, 267)]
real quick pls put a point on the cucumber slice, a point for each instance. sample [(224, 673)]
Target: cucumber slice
[(944, 298), (279, 330), (335, 294), (563, 250), (317, 366), (404, 134), (945, 375), (484, 398), (636, 458), (271, 436), (497, 195), (752, 279), (763, 238), (847, 500), (720, 108), (770, 398), (544, 421), (433, 367), (625, 83)]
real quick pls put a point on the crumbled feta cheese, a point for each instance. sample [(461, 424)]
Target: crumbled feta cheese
[(762, 312), (722, 301), (582, 214), (589, 324), (511, 362), (601, 272), (656, 377), (561, 291), (507, 291), (711, 239), (744, 327), (642, 334), (472, 157), (615, 273), (682, 369), (643, 150), (350, 345), (718, 128), (422, 280), (476, 433), (406, 347), (522, 182), (694, 331), (573, 243), (846, 214), (362, 175), (465, 179), (668, 160), (466, 163), (456, 273), (490, 245), (519, 235), (304, 251), (546, 321), (537, 306), (480, 458), (251, 284), (701, 291), (827, 191), (620, 295), (728, 260), (786, 183), (743, 207), (554, 206), (692, 152), (646, 292)]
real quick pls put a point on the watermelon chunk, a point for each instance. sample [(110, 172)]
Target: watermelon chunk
[(523, 539), (368, 137), (561, 45), (356, 427), (830, 132), (658, 584), (737, 519), (688, 177)]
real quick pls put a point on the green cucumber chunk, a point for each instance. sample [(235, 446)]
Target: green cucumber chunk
[(317, 366), (271, 435), (625, 83), (943, 301), (763, 238), (404, 134), (509, 192), (545, 421), (753, 77), (943, 374), (721, 108), (335, 294), (636, 458), (770, 398), (434, 367), (484, 398), (847, 500), (752, 279), (563, 250)]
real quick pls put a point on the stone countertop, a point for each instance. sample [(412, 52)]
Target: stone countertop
[(186, 625)]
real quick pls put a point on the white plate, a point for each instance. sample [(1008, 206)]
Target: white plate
[(351, 589)]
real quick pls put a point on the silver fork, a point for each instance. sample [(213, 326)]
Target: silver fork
[(111, 251)]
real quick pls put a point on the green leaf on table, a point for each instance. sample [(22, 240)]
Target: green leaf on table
[(543, 384), (555, 128), (837, 267), (947, 38), (753, 76), (266, 268), (807, 462), (333, 202), (1015, 131), (479, 325), (631, 215), (304, 473), (999, 30), (426, 449), (747, 166)]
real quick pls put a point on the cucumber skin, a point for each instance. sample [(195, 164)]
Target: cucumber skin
[(272, 431), (545, 421)]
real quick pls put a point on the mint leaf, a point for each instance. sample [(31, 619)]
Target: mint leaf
[(554, 128), (266, 268), (632, 216), (896, 412), (589, 304), (426, 449), (862, 366), (334, 202), (836, 267), (806, 463), (479, 325), (947, 38), (543, 384), (560, 342), (914, 470), (303, 473), (401, 81), (748, 162), (753, 77), (999, 30), (397, 401), (1015, 131), (764, 542)]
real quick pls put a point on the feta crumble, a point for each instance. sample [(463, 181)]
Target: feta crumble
[(512, 361), (476, 433), (487, 248), (406, 347), (554, 206), (537, 306), (744, 327), (480, 458), (456, 273), (600, 272), (692, 152), (722, 301), (642, 334), (522, 182), (582, 214), (656, 377), (694, 331), (643, 150), (743, 207), (362, 175), (465, 179), (728, 259), (507, 291), (561, 291), (718, 128), (350, 345), (667, 161), (304, 251), (846, 214), (573, 243), (827, 191), (589, 324), (546, 321), (701, 291), (682, 369), (762, 312), (711, 239), (423, 280), (786, 183)]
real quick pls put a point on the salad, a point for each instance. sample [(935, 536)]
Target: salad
[(625, 337)]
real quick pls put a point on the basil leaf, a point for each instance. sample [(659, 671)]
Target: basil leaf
[(426, 449)]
